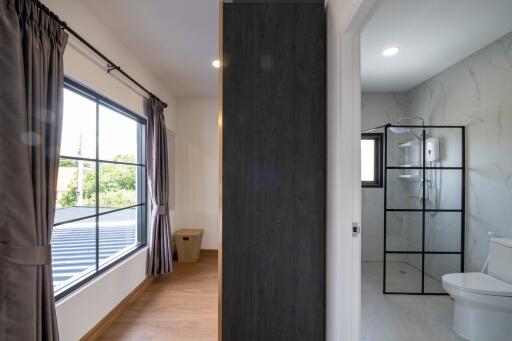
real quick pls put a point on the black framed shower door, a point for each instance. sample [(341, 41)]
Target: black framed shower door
[(415, 268)]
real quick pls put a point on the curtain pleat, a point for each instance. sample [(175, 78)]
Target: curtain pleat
[(31, 99), (160, 253)]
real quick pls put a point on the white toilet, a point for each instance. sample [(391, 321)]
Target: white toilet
[(483, 302)]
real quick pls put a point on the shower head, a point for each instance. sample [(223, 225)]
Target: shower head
[(403, 130), (399, 130), (402, 119)]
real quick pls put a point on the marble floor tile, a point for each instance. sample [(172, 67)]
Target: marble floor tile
[(402, 317)]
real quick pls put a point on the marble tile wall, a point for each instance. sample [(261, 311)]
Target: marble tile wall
[(476, 93), (378, 109)]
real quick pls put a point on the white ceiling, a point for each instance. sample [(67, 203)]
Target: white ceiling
[(176, 39), (431, 34)]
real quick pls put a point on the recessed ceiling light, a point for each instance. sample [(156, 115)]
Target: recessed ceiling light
[(216, 63), (390, 51)]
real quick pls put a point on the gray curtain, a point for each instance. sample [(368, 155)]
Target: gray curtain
[(31, 91), (160, 253)]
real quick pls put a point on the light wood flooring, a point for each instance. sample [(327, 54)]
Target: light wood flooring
[(181, 306)]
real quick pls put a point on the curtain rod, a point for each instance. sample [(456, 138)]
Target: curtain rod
[(111, 66)]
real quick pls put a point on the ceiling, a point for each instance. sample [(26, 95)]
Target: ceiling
[(176, 39), (432, 35)]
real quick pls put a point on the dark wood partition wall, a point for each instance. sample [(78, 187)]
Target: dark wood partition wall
[(273, 164)]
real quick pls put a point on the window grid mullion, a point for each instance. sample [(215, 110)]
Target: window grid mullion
[(78, 158), (99, 214), (97, 185), (138, 184)]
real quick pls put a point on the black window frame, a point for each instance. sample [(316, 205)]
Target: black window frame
[(378, 163), (141, 174)]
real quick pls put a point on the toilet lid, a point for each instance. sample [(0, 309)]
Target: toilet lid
[(478, 283)]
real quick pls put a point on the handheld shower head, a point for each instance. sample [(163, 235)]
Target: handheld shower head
[(399, 130), (403, 130), (402, 119)]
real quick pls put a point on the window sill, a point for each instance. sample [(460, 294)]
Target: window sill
[(89, 279)]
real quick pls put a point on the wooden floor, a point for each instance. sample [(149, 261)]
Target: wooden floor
[(181, 306)]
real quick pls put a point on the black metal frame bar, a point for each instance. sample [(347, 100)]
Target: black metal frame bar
[(111, 66), (378, 163), (141, 175), (424, 137), (424, 210), (99, 214), (76, 158), (97, 189), (421, 210), (385, 205), (373, 129), (420, 168), (425, 252)]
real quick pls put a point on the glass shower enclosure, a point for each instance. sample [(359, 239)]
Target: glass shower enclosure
[(424, 207)]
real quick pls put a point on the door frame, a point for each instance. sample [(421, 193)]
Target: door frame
[(345, 22)]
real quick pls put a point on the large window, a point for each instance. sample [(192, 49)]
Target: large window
[(371, 160), (100, 215)]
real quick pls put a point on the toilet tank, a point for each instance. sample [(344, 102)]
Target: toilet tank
[(500, 259)]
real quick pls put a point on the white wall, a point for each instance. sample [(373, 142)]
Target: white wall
[(81, 310), (343, 272), (377, 109), (197, 159), (78, 312)]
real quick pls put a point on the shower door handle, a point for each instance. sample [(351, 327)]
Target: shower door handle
[(356, 230)]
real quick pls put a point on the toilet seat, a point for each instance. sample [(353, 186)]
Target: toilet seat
[(478, 283)]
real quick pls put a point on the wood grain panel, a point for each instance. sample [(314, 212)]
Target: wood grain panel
[(274, 156)]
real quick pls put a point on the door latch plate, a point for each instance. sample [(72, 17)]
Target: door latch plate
[(356, 230)]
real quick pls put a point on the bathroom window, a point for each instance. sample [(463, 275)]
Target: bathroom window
[(100, 215), (371, 160)]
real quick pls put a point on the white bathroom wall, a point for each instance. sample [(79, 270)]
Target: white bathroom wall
[(477, 93), (378, 109), (84, 308), (198, 168)]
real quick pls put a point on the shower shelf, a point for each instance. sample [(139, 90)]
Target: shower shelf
[(411, 177)]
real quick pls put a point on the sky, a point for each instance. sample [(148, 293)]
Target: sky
[(117, 133), (367, 160)]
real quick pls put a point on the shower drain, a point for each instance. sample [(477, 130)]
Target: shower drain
[(402, 271)]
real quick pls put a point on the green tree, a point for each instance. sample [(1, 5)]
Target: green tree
[(67, 163), (117, 184)]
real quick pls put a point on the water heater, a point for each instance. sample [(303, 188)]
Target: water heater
[(432, 149)]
